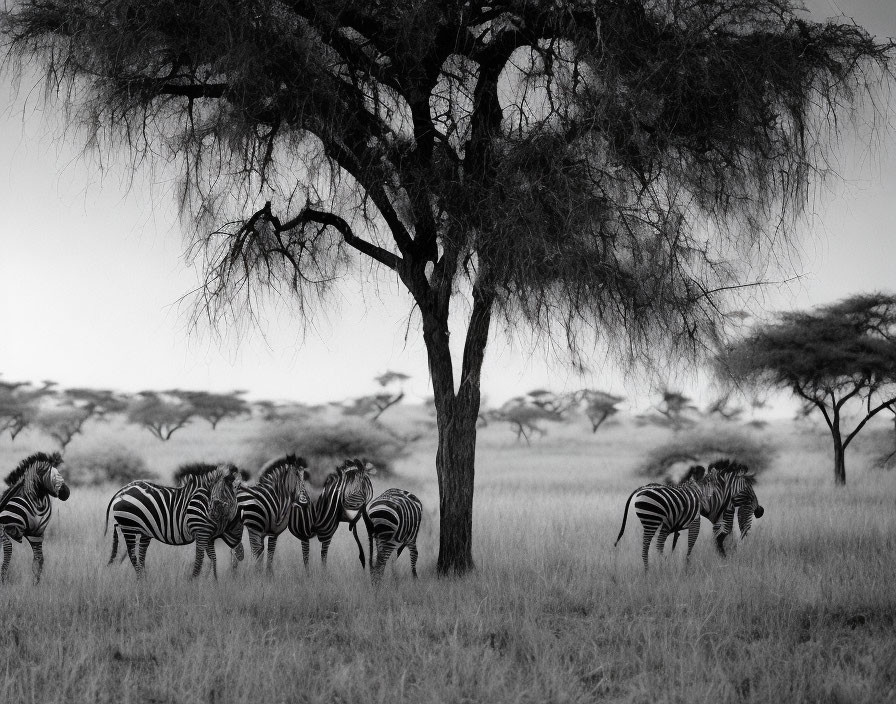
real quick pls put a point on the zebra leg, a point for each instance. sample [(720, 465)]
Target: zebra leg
[(256, 546), (130, 542), (693, 532), (142, 547), (412, 551), (383, 552), (210, 551), (324, 547), (201, 547), (306, 550), (114, 545), (661, 539), (649, 531), (272, 545), (236, 556), (37, 564), (7, 554), (674, 540)]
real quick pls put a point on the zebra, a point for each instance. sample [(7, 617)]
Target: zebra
[(344, 494), (730, 491), (667, 509), (25, 507), (393, 518), (266, 507), (201, 509), (191, 475)]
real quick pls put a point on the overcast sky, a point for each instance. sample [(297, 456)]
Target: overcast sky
[(91, 273)]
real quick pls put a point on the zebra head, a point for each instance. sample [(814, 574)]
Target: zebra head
[(734, 483), (222, 493), (357, 489), (48, 479)]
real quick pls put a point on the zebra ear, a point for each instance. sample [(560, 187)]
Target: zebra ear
[(369, 468)]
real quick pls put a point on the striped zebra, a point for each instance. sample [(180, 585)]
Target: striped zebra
[(25, 507), (201, 509), (393, 520), (266, 507), (344, 494), (667, 509), (730, 491)]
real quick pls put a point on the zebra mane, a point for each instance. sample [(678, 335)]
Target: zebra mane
[(275, 466), (14, 478), (54, 459), (728, 467), (200, 469)]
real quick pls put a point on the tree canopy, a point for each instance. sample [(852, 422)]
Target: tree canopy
[(835, 354), (584, 167)]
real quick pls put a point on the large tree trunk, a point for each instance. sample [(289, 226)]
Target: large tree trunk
[(456, 416), (839, 459)]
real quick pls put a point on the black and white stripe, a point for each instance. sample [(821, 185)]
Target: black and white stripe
[(730, 491), (201, 509), (265, 508), (393, 521), (666, 509), (344, 494), (25, 507)]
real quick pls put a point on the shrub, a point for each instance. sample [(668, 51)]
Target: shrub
[(704, 445), (108, 463), (326, 443)]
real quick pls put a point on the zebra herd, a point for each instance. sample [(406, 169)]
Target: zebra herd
[(211, 501), (716, 493)]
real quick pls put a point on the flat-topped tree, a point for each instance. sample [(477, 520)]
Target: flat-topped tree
[(582, 168), (214, 407), (836, 358)]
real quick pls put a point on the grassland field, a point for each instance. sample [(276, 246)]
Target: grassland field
[(804, 610)]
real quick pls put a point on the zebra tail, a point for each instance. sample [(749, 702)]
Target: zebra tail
[(108, 508), (625, 516)]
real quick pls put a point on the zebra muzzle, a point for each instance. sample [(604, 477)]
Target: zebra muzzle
[(63, 493), (758, 512)]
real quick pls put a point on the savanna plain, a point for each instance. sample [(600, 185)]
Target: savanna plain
[(803, 610)]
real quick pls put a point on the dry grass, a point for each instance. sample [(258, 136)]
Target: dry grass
[(803, 611)]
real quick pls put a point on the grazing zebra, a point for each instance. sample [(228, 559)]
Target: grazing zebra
[(266, 507), (344, 494), (393, 519), (730, 491), (667, 509), (25, 506), (201, 509)]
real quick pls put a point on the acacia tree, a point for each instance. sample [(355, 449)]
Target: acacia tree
[(161, 414), (600, 167), (836, 354)]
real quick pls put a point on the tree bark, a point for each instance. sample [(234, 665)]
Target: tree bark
[(839, 460), (456, 417)]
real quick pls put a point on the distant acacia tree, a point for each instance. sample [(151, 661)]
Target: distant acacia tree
[(62, 423), (20, 405), (213, 407), (599, 405), (100, 402), (161, 414), (616, 166), (836, 354), (724, 408), (524, 416), (373, 406)]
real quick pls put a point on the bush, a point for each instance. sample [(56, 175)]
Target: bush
[(326, 443), (108, 463), (669, 462)]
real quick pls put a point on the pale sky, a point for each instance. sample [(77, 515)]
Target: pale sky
[(91, 273)]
